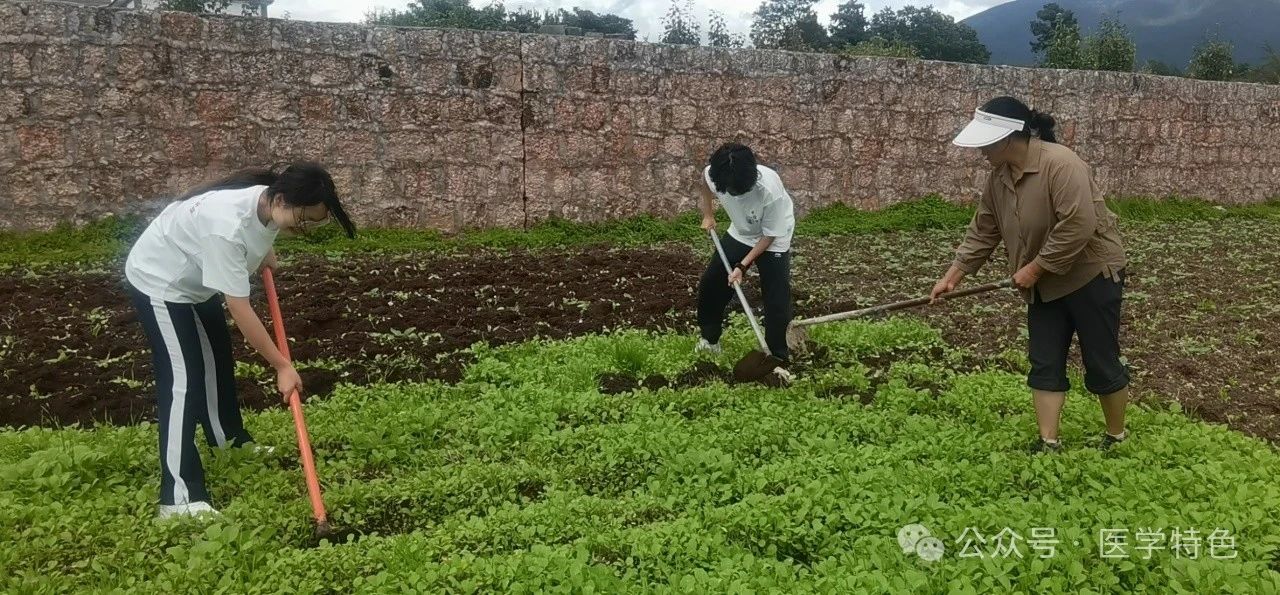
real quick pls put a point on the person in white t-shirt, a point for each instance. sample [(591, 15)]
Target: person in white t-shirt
[(197, 253), (762, 221)]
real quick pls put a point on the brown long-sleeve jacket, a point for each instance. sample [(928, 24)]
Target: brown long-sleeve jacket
[(1053, 214)]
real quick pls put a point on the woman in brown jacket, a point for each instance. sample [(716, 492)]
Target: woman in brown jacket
[(1065, 254)]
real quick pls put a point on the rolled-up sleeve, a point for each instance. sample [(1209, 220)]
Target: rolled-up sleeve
[(981, 239), (1071, 193)]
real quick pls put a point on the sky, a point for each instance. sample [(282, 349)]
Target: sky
[(646, 14)]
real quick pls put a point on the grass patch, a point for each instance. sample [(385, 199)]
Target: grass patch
[(110, 238), (930, 212), (67, 244), (525, 478), (1187, 209)]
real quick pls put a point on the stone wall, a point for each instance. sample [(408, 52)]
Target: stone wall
[(108, 111)]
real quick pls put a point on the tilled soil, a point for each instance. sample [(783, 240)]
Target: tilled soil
[(1201, 321), (74, 352), (1200, 326)]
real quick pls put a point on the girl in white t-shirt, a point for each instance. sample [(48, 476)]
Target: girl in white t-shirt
[(199, 252)]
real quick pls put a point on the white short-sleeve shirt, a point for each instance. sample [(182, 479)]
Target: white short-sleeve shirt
[(765, 210), (202, 246)]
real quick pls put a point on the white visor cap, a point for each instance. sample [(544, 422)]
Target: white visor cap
[(986, 129)]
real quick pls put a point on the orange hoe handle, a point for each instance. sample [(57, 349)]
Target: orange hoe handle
[(295, 405)]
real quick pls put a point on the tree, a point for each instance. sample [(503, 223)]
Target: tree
[(1111, 47), (253, 8), (849, 25), (1159, 68), (524, 21), (459, 14), (1266, 71), (679, 28), (609, 24), (934, 35), (196, 6), (785, 25), (812, 34), (1045, 27), (455, 14), (1064, 48), (1213, 60), (718, 35), (877, 46)]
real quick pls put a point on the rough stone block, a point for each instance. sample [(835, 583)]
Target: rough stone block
[(217, 106), (53, 63), (292, 69), (412, 147), (141, 144), (133, 63), (134, 28), (241, 144), (179, 148), (95, 63), (318, 110), (59, 103), (271, 106), (238, 33), (164, 107), (104, 185), (298, 143), (327, 71), (14, 20), (197, 66), (36, 18), (353, 147), (90, 145), (38, 143), (10, 149), (257, 68), (421, 43), (182, 27), (13, 105), (300, 34)]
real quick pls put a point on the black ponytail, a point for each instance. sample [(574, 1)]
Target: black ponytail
[(306, 184), (303, 184), (1042, 123), (245, 178)]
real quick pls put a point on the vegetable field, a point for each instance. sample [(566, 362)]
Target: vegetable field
[(519, 417)]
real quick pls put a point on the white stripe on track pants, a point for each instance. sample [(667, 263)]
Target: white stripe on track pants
[(195, 383)]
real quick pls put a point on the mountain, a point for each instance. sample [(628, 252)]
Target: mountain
[(1164, 30)]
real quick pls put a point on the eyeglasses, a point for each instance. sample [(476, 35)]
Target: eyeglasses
[(310, 225), (304, 225)]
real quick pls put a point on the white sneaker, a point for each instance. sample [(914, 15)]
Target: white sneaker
[(257, 449), (191, 509), (260, 449), (783, 375), (704, 345)]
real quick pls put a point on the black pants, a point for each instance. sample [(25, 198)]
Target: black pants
[(195, 383), (714, 293), (1092, 313)]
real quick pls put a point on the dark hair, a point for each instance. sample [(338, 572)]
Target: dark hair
[(733, 169), (1038, 121), (303, 184)]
